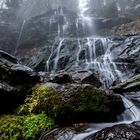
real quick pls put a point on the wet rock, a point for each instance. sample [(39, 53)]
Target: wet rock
[(5, 56), (61, 78), (16, 74), (79, 77), (59, 133), (73, 103), (131, 85), (86, 77), (119, 132), (21, 74)]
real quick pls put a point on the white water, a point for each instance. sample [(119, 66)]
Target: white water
[(131, 114), (20, 35), (102, 63)]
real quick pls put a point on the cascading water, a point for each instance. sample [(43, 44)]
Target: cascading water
[(98, 58), (101, 62)]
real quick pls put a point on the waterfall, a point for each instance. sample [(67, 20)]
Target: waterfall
[(91, 53), (101, 62), (98, 58)]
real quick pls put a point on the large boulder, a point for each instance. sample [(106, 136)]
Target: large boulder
[(119, 132), (14, 73), (130, 85), (73, 103)]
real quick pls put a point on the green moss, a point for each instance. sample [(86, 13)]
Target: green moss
[(24, 127), (90, 100), (11, 128), (36, 124), (37, 101)]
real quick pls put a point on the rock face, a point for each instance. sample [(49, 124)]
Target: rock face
[(119, 132), (73, 103)]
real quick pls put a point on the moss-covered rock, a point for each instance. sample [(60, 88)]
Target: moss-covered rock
[(24, 127), (73, 103)]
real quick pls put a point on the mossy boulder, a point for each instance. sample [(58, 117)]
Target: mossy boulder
[(24, 127), (73, 103)]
